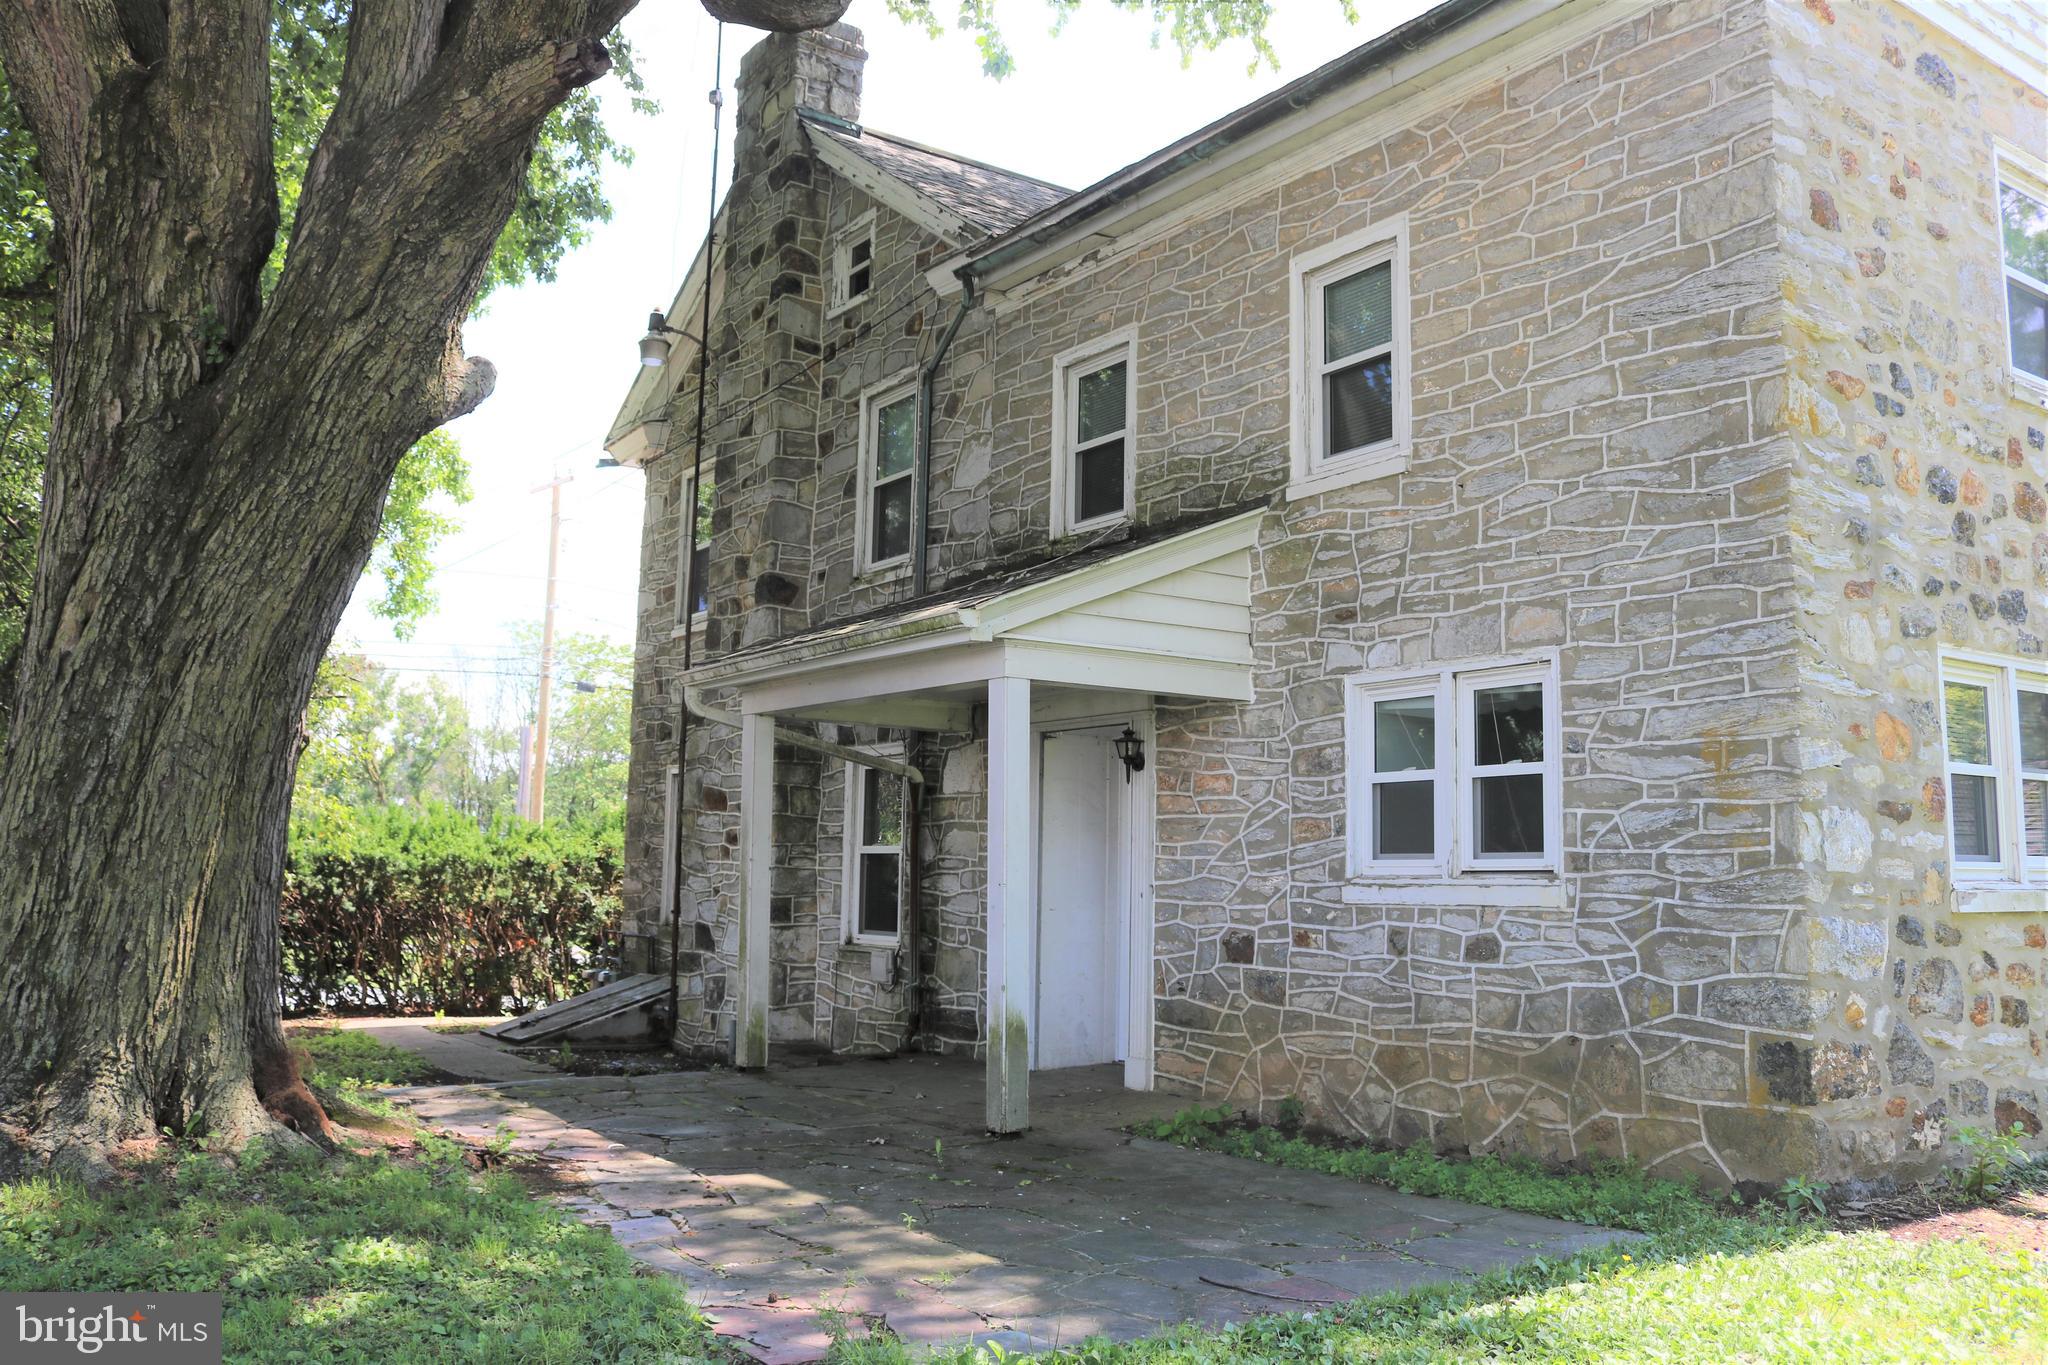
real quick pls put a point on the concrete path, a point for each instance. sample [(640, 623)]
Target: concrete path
[(468, 1055), (868, 1189)]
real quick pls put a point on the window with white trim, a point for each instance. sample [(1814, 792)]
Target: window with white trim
[(853, 264), (693, 551), (1454, 771), (1994, 727), (1350, 359), (2023, 247), (874, 855), (1094, 416), (888, 455)]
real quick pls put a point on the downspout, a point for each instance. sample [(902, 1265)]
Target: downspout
[(927, 388)]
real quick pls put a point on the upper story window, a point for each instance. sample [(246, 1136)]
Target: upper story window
[(853, 263), (1350, 361), (1094, 419), (1454, 771), (888, 454), (2023, 242), (872, 910), (693, 552), (1995, 732)]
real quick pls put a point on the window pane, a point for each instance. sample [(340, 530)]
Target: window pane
[(2023, 221), (1509, 811), (2027, 315), (1969, 723), (1404, 820), (2034, 798), (895, 437), (1973, 812), (892, 521), (1099, 481), (879, 881), (1508, 724), (881, 807), (1358, 312), (2034, 730), (1099, 402), (1360, 399), (700, 578), (857, 281), (863, 251), (1404, 735)]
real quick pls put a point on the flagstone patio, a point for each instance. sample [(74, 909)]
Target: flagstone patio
[(869, 1189)]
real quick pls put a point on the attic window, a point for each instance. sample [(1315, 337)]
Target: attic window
[(853, 263)]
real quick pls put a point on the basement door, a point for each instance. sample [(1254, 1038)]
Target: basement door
[(1081, 879)]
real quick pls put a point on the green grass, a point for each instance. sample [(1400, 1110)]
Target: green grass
[(356, 1258), (1709, 1282), (337, 1057)]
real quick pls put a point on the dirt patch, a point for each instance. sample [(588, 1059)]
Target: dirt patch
[(601, 1061), (2018, 1222)]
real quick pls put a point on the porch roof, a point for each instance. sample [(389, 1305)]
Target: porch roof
[(1171, 616)]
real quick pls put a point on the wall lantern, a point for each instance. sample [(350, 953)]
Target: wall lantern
[(1130, 750), (655, 345)]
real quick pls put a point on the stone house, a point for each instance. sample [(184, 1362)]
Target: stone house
[(1496, 592)]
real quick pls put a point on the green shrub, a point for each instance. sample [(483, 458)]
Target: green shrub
[(414, 909)]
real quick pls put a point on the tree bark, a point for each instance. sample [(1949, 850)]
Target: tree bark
[(217, 470)]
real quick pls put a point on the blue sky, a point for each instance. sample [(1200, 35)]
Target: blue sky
[(1079, 106)]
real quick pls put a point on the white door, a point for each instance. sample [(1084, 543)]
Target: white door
[(1078, 901)]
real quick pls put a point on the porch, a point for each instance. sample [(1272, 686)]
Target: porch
[(869, 1188), (1046, 669)]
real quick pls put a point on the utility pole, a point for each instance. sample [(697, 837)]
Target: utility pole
[(537, 800)]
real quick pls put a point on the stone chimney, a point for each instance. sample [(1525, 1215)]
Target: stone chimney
[(775, 256)]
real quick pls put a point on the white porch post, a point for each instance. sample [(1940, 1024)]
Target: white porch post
[(1012, 903), (757, 856)]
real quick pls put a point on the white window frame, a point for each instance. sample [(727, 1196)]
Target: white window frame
[(1456, 774), (2012, 869), (687, 617), (1315, 469), (852, 848), (2028, 173), (872, 401), (860, 229), (1068, 368)]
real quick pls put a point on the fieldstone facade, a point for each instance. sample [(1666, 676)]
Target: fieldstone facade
[(1709, 405)]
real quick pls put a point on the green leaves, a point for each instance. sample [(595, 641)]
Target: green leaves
[(1191, 25)]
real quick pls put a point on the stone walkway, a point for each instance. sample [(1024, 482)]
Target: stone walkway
[(469, 1055), (868, 1189)]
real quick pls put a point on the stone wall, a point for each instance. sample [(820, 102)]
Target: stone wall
[(1918, 526)]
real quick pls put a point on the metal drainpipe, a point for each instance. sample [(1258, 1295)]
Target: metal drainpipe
[(927, 385)]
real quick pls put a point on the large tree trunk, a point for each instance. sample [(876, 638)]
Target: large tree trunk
[(217, 470)]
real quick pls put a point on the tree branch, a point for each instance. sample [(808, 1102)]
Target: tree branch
[(778, 16)]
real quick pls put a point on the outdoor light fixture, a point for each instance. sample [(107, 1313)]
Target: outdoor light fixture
[(654, 346), (1130, 750)]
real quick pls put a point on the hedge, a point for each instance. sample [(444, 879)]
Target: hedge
[(414, 909)]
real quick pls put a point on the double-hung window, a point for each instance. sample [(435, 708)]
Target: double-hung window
[(888, 455), (693, 542), (853, 264), (1454, 772), (2023, 245), (1995, 732), (1350, 364), (874, 855), (1094, 417)]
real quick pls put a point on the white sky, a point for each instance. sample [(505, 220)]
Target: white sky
[(1078, 107)]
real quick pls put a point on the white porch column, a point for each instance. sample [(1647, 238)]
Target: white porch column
[(1012, 903), (757, 856)]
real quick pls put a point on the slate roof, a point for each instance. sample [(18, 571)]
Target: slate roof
[(988, 197)]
